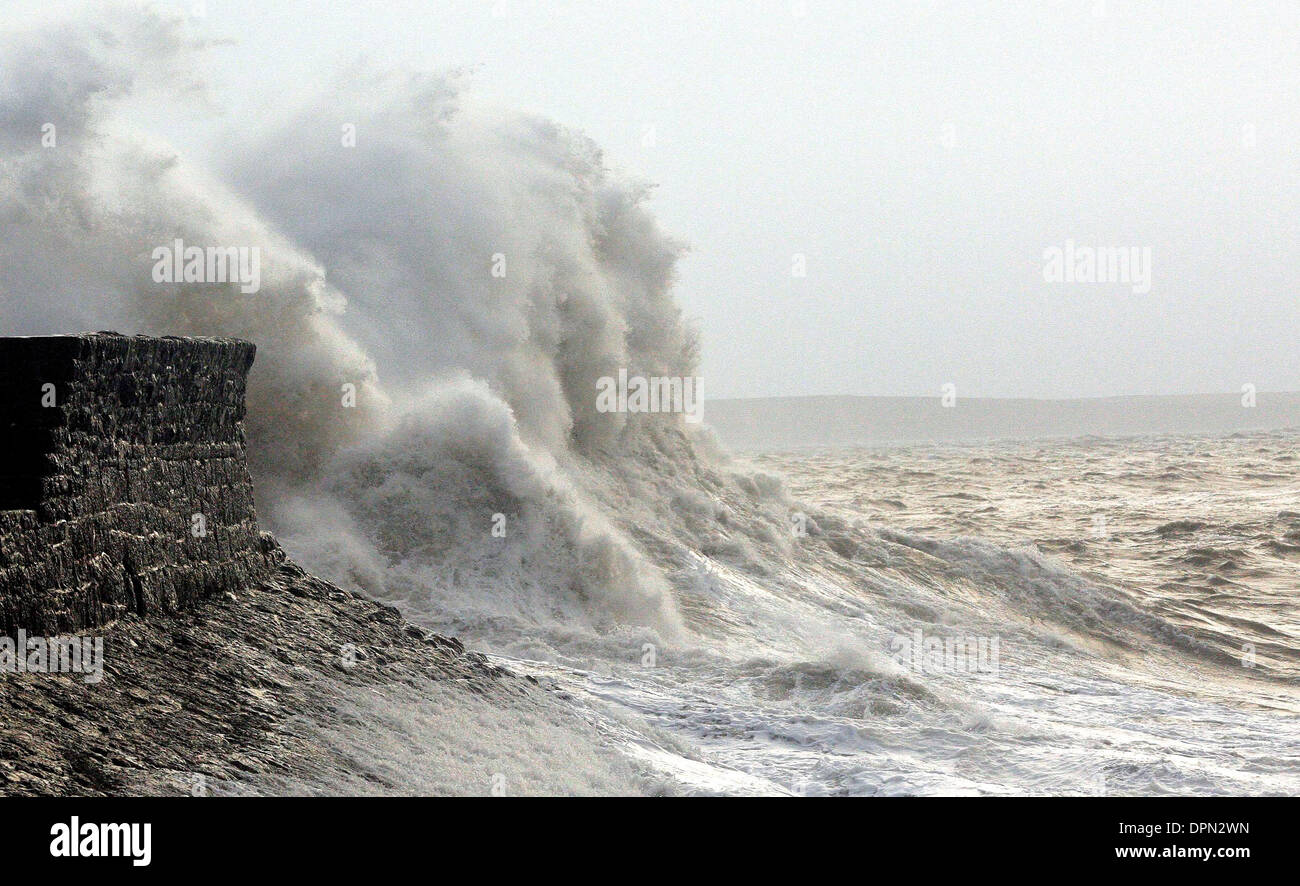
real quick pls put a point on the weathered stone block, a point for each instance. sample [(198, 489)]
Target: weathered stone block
[(116, 442)]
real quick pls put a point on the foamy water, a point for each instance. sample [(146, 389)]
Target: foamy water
[(1114, 674), (438, 304), (1150, 651)]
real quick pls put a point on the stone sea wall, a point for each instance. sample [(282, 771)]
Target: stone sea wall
[(126, 487)]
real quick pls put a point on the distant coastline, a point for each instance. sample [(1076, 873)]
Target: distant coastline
[(799, 422)]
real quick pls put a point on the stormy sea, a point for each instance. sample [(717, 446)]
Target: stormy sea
[(436, 306)]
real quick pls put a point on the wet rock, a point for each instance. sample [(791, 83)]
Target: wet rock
[(128, 491), (215, 648)]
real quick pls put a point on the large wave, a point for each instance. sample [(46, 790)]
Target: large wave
[(443, 282), (468, 270)]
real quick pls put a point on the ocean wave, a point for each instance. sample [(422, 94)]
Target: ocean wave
[(437, 304)]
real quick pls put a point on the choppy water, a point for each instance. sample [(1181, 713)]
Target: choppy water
[(1203, 532), (1142, 593), (425, 430)]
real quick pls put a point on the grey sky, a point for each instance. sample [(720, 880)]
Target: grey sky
[(921, 155)]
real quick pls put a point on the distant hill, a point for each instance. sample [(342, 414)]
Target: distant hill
[(798, 422)]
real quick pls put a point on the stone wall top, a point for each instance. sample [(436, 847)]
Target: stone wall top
[(128, 487)]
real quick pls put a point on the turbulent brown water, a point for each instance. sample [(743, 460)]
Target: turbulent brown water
[(1202, 531), (426, 431), (1140, 593)]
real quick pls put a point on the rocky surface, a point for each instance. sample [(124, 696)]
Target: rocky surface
[(225, 669), (214, 699), (127, 489)]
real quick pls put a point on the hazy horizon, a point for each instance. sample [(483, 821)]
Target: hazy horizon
[(471, 523), (917, 163)]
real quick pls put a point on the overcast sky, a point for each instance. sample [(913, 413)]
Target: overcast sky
[(920, 156)]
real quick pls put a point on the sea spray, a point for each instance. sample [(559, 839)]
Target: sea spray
[(408, 386)]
